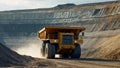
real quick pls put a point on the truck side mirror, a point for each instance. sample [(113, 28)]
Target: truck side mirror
[(83, 34)]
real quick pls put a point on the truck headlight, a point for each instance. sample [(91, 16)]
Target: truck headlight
[(55, 41), (75, 41)]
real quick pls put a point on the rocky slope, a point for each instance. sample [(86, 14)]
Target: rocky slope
[(103, 44), (109, 49), (10, 58)]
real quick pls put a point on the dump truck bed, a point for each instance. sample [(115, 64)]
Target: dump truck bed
[(43, 33)]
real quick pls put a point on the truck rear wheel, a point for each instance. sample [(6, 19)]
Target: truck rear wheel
[(76, 52), (49, 51)]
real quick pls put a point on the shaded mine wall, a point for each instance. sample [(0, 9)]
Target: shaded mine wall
[(26, 23)]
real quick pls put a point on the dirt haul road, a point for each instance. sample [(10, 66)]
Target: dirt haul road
[(74, 63)]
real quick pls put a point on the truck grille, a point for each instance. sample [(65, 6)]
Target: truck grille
[(67, 39)]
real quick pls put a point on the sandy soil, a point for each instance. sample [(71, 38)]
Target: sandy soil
[(73, 63)]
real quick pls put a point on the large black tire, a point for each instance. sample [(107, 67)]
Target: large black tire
[(49, 51), (76, 52)]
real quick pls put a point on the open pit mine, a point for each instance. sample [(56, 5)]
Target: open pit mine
[(101, 48)]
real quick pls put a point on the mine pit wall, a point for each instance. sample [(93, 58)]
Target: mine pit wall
[(16, 25), (95, 45), (92, 40)]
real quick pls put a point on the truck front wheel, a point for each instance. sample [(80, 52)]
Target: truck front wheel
[(76, 52)]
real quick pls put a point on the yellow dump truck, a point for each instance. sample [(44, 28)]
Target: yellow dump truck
[(61, 40)]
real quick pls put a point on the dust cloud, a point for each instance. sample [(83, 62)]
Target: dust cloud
[(30, 47), (30, 50)]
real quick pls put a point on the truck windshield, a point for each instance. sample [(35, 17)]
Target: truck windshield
[(67, 39)]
